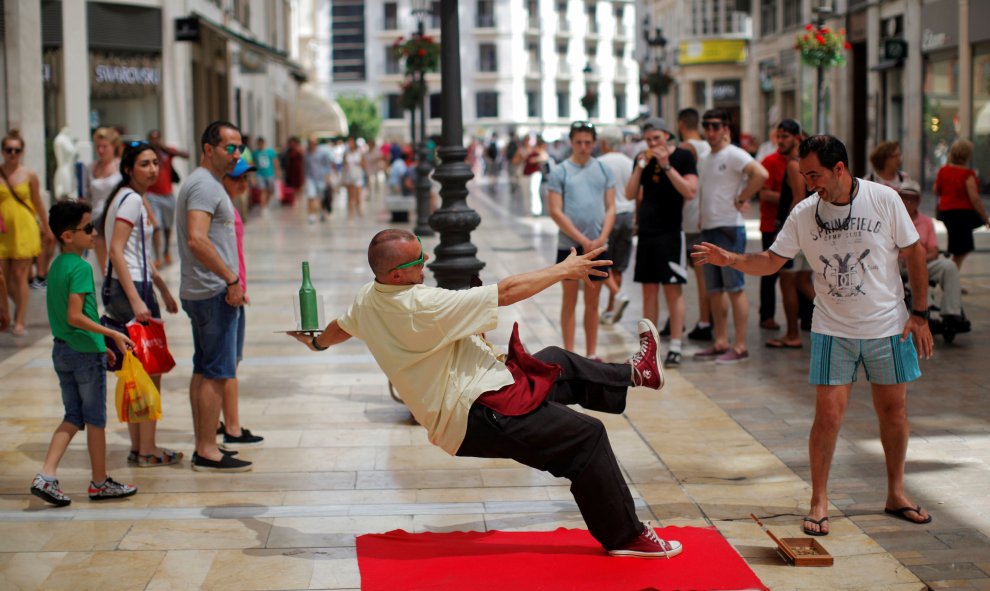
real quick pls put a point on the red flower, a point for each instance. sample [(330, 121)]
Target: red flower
[(847, 45), (842, 31), (824, 30), (421, 52), (806, 37), (809, 27), (820, 39)]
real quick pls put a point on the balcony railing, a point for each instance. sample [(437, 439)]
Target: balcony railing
[(736, 25)]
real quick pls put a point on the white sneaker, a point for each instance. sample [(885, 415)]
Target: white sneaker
[(606, 318), (621, 303)]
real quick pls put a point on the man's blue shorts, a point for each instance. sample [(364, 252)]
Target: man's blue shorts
[(719, 279), (214, 330), (83, 380), (835, 361)]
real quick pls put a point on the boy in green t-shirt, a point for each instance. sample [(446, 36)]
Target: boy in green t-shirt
[(79, 355)]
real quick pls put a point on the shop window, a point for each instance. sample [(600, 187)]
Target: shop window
[(487, 104), (981, 116)]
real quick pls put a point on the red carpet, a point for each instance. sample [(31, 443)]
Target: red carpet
[(548, 561)]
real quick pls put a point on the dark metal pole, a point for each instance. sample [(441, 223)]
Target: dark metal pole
[(456, 262), (423, 168)]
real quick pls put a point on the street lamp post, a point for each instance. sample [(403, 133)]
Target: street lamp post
[(456, 265), (822, 12), (657, 44), (421, 9)]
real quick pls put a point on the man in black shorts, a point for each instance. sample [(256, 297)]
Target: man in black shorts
[(663, 177)]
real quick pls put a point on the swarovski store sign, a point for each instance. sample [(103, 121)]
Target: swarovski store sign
[(113, 75)]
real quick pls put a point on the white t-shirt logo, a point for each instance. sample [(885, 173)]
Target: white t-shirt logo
[(845, 280)]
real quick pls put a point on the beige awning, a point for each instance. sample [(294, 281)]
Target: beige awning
[(316, 115)]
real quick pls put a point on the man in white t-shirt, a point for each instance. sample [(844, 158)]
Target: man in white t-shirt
[(688, 124), (852, 232), (729, 178), (620, 239)]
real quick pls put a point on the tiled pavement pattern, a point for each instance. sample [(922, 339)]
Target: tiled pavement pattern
[(341, 458)]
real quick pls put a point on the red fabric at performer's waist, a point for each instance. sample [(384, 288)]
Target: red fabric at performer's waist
[(533, 381)]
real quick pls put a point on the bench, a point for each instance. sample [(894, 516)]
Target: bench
[(400, 206)]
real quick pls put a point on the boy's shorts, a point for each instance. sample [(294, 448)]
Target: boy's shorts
[(727, 279), (214, 330), (835, 360), (83, 380)]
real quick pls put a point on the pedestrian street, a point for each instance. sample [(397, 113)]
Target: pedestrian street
[(342, 458)]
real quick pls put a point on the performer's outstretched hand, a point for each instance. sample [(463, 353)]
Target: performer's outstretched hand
[(582, 266), (706, 252)]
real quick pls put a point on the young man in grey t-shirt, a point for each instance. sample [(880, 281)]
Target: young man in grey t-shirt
[(581, 201), (211, 290)]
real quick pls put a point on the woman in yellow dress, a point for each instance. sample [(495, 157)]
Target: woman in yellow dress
[(25, 220)]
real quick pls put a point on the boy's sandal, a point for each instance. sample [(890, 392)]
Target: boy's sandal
[(132, 457), (168, 457)]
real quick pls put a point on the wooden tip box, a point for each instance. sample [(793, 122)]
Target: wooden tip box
[(798, 551)]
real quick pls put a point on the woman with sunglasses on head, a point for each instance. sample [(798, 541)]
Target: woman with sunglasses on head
[(128, 228), (21, 210), (100, 181)]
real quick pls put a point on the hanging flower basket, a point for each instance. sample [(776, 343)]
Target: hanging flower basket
[(412, 94), (422, 54), (589, 101), (659, 82), (822, 47)]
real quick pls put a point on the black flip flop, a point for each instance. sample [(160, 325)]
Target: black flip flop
[(902, 514), (817, 522)]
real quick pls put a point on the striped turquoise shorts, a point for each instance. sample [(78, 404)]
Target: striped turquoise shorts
[(835, 360)]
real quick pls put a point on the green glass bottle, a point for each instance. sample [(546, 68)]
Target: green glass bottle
[(308, 315)]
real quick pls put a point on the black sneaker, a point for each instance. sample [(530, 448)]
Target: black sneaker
[(221, 429), (48, 491), (673, 359), (700, 334), (226, 464), (110, 489), (247, 439), (666, 329)]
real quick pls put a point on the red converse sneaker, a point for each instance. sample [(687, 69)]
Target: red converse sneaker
[(648, 545), (647, 370)]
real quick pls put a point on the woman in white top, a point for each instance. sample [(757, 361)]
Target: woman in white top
[(127, 225), (100, 181), (354, 165)]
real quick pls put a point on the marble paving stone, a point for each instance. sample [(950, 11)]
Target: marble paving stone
[(198, 534), (98, 570)]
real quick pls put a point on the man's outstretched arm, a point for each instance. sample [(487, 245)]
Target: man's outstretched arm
[(754, 263), (520, 287), (333, 335)]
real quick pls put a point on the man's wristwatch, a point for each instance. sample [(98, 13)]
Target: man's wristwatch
[(317, 345), (666, 167), (920, 313), (642, 163), (234, 282)]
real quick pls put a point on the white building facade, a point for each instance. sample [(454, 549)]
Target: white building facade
[(526, 64), (140, 65)]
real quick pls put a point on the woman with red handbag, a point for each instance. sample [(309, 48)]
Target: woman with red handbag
[(128, 227)]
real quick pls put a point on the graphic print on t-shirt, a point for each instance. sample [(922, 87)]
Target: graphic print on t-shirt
[(844, 279)]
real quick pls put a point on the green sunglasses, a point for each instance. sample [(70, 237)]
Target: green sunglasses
[(419, 261)]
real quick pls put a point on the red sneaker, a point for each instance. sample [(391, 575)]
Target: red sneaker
[(647, 370), (648, 545)]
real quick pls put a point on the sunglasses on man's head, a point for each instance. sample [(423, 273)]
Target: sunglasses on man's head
[(716, 125), (579, 125), (419, 261), (12, 150)]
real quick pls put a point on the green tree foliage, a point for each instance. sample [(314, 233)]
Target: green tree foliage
[(363, 119)]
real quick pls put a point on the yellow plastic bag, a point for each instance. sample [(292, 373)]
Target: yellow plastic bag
[(138, 400)]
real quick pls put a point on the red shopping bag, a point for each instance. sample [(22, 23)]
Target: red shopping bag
[(150, 346)]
